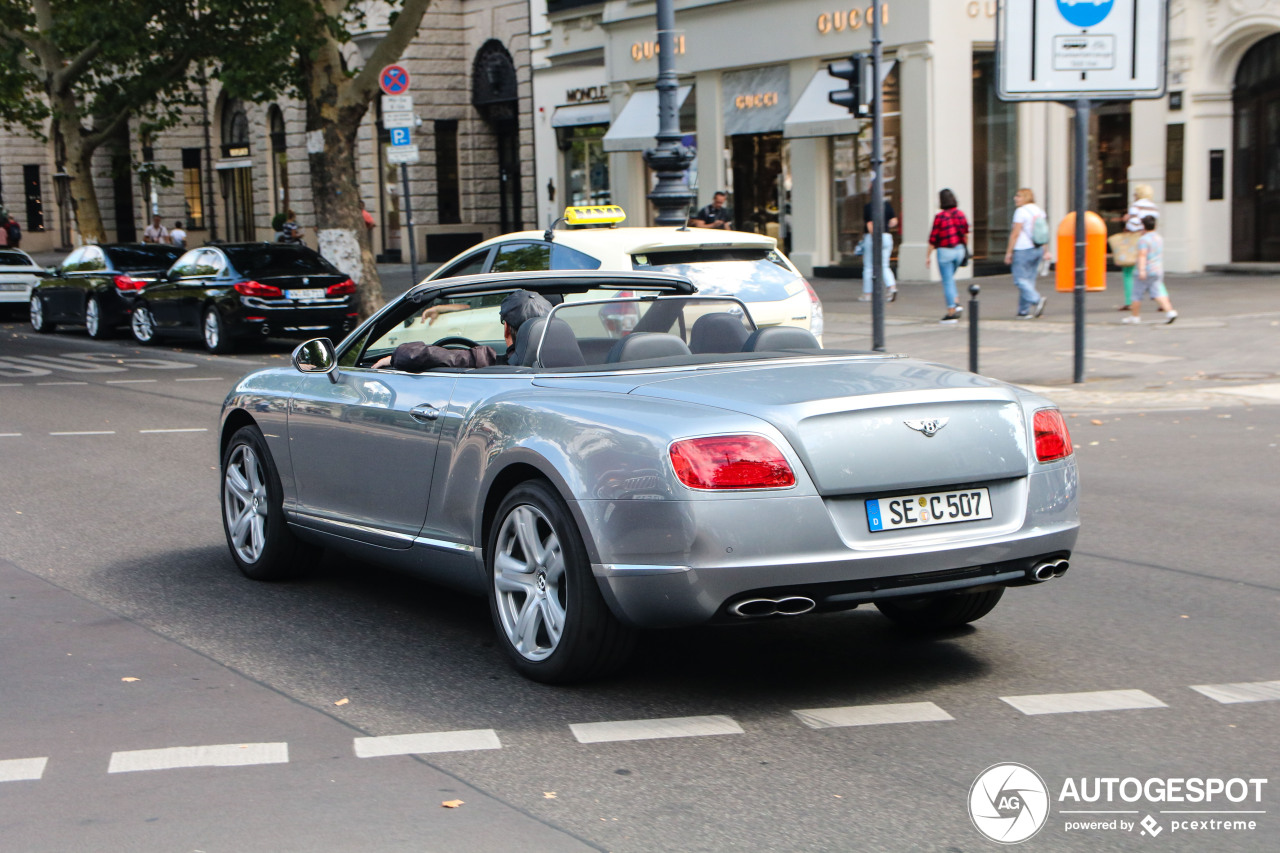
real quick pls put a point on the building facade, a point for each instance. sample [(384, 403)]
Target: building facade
[(235, 166), (754, 86)]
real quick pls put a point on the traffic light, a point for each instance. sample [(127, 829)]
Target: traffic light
[(856, 96)]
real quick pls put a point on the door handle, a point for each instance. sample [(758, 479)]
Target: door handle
[(424, 412)]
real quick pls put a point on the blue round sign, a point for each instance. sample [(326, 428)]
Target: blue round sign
[(1085, 13)]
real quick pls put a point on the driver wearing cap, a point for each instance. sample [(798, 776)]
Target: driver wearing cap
[(415, 356)]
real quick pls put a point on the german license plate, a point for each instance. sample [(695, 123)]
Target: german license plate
[(310, 293), (927, 509)]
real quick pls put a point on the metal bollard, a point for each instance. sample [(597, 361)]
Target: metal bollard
[(973, 327)]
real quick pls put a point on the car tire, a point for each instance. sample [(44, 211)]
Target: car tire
[(529, 593), (94, 322), (214, 332), (940, 612), (142, 323), (39, 316), (253, 513)]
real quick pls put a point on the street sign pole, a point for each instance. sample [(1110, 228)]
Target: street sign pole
[(1081, 202), (877, 188), (398, 119), (408, 223)]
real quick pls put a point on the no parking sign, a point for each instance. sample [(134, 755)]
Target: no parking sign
[(394, 80)]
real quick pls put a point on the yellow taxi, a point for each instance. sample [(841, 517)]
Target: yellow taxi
[(719, 263)]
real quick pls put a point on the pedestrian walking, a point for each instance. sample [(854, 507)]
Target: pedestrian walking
[(1124, 246), (950, 239), (290, 231), (13, 232), (178, 235), (1026, 249), (886, 251), (1150, 275), (155, 232)]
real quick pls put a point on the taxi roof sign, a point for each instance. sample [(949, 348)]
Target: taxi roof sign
[(596, 214)]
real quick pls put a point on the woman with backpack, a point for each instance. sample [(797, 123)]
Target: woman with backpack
[(1026, 248)]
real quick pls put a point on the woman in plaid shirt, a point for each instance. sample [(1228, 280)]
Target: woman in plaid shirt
[(949, 237)]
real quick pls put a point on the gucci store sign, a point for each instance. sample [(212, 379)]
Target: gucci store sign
[(756, 100)]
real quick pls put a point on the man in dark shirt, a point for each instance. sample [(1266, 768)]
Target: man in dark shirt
[(714, 215), (415, 356)]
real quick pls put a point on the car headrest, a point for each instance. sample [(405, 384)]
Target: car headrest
[(772, 338), (719, 332), (638, 345), (559, 346)]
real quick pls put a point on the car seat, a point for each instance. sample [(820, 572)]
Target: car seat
[(719, 332), (772, 338), (638, 345)]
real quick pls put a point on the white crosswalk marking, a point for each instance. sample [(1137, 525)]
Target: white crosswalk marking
[(1071, 703), (184, 429), (22, 769), (222, 755), (89, 432), (872, 715), (424, 742), (1245, 691), (654, 729)]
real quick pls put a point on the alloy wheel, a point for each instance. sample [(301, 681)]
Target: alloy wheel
[(244, 500), (92, 317), (37, 313), (212, 330), (142, 324), (530, 581)]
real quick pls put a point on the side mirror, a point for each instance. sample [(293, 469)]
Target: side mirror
[(49, 272), (316, 356)]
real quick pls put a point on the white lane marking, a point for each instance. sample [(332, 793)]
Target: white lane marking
[(185, 429), (222, 755), (1243, 691), (99, 432), (872, 715), (1262, 392), (22, 769), (10, 434), (11, 385), (1070, 703), (62, 383), (461, 741), (129, 381), (201, 379), (653, 729)]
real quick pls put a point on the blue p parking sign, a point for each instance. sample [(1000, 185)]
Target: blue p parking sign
[(1085, 13), (400, 136)]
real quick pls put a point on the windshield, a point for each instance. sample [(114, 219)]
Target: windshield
[(268, 259), (752, 275), (131, 258)]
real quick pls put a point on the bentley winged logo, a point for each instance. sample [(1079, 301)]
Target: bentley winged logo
[(929, 427)]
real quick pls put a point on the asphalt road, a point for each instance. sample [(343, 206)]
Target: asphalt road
[(113, 566)]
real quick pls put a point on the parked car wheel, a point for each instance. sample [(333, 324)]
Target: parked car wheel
[(40, 320), (143, 325), (939, 612), (93, 321), (548, 611), (253, 514), (216, 339)]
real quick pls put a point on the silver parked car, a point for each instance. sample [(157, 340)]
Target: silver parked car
[(648, 458)]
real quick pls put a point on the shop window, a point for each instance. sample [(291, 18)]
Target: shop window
[(193, 187), (586, 165), (995, 158), (1173, 141), (448, 189), (851, 174), (35, 203)]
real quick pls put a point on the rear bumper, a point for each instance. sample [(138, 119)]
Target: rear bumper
[(672, 563), (260, 318)]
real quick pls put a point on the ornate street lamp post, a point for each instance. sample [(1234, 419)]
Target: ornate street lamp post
[(670, 160)]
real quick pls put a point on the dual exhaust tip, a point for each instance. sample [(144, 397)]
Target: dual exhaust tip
[(1041, 572), (792, 605)]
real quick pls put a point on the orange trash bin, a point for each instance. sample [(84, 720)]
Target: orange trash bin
[(1095, 253)]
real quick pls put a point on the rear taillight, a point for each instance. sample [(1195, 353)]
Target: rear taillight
[(124, 282), (340, 289), (816, 321), (263, 291), (731, 462), (1052, 439)]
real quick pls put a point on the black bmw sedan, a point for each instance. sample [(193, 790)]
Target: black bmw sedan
[(94, 286), (239, 290)]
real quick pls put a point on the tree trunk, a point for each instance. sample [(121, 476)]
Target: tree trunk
[(79, 168), (331, 150)]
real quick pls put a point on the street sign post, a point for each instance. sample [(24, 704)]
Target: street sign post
[(1079, 51), (399, 121)]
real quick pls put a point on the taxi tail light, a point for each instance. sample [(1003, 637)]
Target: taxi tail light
[(263, 291), (731, 462), (815, 310), (340, 289), (1052, 439), (124, 282)]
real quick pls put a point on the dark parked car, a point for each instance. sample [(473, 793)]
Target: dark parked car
[(238, 290), (94, 286)]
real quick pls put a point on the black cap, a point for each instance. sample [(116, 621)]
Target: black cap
[(521, 305)]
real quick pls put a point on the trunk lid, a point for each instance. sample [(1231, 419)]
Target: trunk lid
[(861, 425)]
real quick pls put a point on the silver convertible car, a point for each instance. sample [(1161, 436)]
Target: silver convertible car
[(646, 458)]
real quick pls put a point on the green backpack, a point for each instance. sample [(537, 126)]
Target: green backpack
[(1040, 230)]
